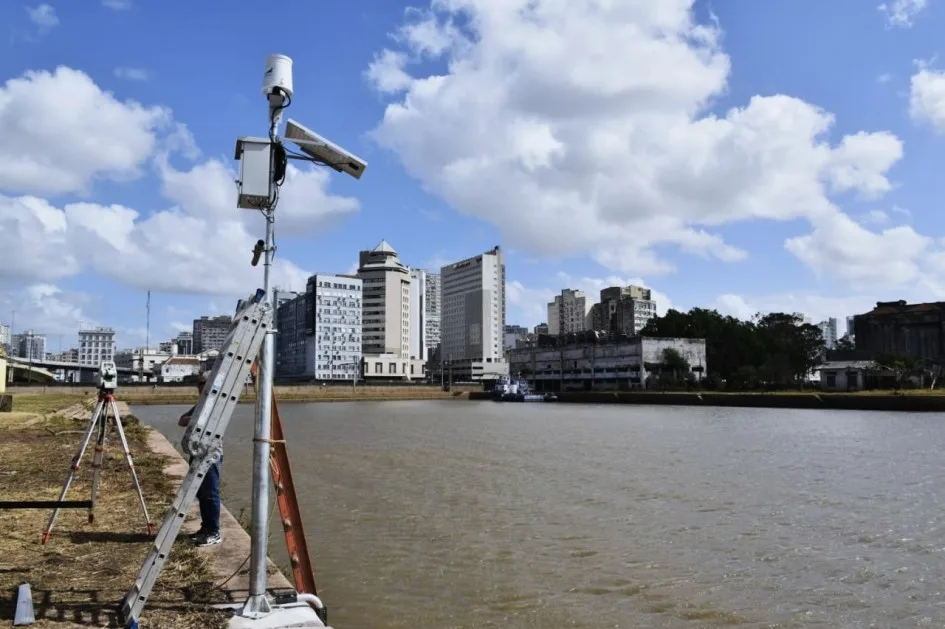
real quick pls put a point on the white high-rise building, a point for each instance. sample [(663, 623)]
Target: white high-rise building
[(386, 316), (30, 346), (96, 345), (4, 334), (335, 349), (385, 320), (828, 329), (418, 314), (554, 316), (473, 316), (432, 318)]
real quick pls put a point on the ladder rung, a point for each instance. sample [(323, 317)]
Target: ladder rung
[(45, 504)]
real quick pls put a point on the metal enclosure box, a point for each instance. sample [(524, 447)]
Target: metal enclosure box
[(254, 186)]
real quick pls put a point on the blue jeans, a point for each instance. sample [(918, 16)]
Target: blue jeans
[(209, 498)]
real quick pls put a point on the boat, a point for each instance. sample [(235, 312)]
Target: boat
[(508, 389)]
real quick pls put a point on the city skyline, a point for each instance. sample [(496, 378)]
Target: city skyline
[(727, 165)]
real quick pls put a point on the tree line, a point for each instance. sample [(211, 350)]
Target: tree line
[(775, 350)]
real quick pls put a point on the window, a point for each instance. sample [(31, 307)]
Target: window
[(377, 368), (392, 368)]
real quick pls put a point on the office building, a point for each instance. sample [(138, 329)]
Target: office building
[(418, 315), (567, 314), (210, 332), (4, 335), (828, 329), (385, 317), (319, 331), (96, 345), (472, 321), (432, 316), (29, 346), (625, 309)]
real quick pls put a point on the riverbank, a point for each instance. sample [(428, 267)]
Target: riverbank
[(81, 574), (910, 401), (145, 395)]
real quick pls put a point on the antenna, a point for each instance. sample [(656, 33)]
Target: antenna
[(263, 163)]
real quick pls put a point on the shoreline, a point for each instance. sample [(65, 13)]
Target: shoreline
[(915, 402), (85, 569)]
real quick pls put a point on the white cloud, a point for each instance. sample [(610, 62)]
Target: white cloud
[(927, 97), (885, 77), (199, 243), (816, 307), (43, 16), (132, 74), (539, 125), (902, 13), (118, 5), (45, 309), (51, 149)]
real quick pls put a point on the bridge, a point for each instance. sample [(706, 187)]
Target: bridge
[(41, 370)]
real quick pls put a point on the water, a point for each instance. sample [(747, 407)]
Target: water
[(449, 514)]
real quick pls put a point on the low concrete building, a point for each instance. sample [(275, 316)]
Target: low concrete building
[(381, 367), (846, 375), (598, 363), (177, 368)]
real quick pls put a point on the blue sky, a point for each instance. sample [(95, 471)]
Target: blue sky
[(578, 142)]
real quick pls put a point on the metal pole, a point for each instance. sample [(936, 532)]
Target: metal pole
[(257, 604)]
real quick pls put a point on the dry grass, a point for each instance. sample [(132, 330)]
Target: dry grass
[(79, 577)]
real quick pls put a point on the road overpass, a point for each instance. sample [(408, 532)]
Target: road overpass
[(23, 368)]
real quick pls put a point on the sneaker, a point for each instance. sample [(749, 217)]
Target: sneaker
[(208, 539), (198, 534)]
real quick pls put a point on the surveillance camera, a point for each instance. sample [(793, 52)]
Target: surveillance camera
[(278, 75), (324, 151)]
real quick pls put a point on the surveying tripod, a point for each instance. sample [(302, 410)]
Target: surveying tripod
[(99, 422)]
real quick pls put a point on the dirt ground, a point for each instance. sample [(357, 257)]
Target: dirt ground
[(80, 575)]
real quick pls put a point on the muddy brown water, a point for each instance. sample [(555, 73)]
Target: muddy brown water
[(449, 514)]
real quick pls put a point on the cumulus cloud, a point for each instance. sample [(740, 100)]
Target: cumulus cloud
[(901, 13), (927, 97), (537, 124), (44, 16), (198, 243), (50, 149)]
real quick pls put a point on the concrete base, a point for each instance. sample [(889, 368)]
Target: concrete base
[(294, 616)]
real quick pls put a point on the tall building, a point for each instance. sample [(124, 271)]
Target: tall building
[(850, 327), (184, 343), (335, 349), (210, 332), (626, 309), (418, 315), (473, 317), (96, 345), (512, 335), (319, 331), (29, 346), (828, 329), (568, 312), (386, 302), (432, 317), (542, 328), (4, 335)]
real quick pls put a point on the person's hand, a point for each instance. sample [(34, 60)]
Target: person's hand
[(184, 419)]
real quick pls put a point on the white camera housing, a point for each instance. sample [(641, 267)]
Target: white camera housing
[(323, 150), (278, 75), (108, 375), (254, 186)]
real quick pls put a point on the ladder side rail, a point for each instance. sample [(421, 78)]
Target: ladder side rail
[(217, 391), (296, 544), (227, 378), (224, 386)]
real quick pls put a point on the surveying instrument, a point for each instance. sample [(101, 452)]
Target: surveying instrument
[(107, 384)]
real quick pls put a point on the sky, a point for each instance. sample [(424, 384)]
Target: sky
[(784, 155)]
